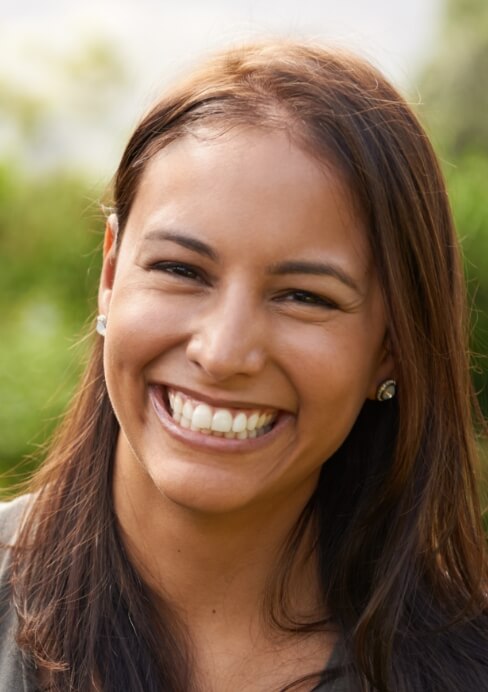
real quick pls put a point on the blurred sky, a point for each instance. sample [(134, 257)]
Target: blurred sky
[(159, 39)]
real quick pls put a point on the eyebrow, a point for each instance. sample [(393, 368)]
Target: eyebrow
[(314, 269), (185, 241), (278, 269)]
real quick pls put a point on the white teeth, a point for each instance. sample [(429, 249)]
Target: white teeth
[(177, 405), (240, 423), (187, 410), (252, 421), (222, 421), (202, 417), (218, 422)]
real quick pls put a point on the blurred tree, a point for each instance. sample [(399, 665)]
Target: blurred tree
[(50, 234), (455, 83), (25, 111), (50, 228), (70, 99), (454, 88)]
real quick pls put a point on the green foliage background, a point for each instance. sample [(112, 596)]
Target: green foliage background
[(51, 229), (454, 89)]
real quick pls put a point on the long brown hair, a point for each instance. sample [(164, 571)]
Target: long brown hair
[(400, 544)]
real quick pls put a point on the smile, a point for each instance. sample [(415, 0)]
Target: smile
[(189, 413)]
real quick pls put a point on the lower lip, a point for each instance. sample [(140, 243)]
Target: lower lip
[(209, 442)]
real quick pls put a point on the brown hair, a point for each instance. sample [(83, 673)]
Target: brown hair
[(400, 543)]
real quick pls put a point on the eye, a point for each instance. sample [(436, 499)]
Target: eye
[(179, 269), (307, 298)]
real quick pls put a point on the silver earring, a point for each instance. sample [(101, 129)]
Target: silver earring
[(101, 325), (386, 390)]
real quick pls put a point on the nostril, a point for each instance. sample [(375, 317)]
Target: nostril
[(224, 365), (226, 349)]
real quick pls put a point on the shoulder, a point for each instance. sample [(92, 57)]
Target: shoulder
[(11, 514), (13, 673)]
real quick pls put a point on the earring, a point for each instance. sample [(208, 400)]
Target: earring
[(101, 325), (386, 390)]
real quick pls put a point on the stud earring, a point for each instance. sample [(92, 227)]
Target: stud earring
[(386, 390), (101, 325)]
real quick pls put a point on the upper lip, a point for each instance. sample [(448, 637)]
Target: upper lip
[(216, 403)]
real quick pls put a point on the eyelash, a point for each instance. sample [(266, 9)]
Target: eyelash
[(309, 299), (299, 296), (183, 271)]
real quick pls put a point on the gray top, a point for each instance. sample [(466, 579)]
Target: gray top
[(14, 674)]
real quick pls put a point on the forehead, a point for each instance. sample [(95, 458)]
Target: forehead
[(251, 183)]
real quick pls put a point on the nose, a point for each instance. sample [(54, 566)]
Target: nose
[(228, 338)]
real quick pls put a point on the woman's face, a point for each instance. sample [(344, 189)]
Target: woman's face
[(245, 323)]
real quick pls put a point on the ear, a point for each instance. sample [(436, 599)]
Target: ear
[(384, 371), (108, 268)]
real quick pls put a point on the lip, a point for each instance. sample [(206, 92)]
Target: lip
[(198, 440)]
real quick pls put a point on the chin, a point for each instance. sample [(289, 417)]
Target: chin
[(203, 490)]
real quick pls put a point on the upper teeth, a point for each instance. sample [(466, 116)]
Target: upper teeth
[(231, 423)]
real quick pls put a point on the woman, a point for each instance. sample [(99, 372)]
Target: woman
[(266, 480)]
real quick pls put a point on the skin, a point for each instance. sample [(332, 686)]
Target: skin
[(232, 330)]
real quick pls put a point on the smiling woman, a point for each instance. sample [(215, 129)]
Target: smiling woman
[(240, 498), (268, 305)]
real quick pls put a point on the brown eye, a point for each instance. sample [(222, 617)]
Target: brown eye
[(184, 271), (308, 298)]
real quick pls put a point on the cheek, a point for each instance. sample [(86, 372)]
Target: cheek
[(141, 326), (334, 375), (328, 412)]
